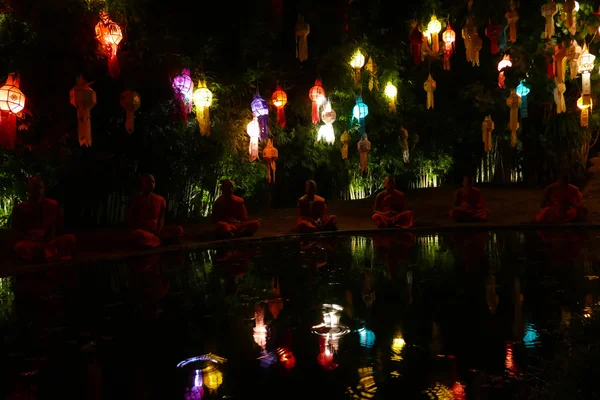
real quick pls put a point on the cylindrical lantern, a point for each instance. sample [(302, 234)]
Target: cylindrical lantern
[(449, 38), (429, 86), (326, 131), (364, 146), (357, 62), (559, 98), (492, 32), (585, 64), (270, 154), (345, 139), (585, 103), (549, 10), (253, 130), (130, 101), (416, 39), (279, 101), (404, 145), (487, 127), (504, 63), (109, 35), (513, 102), (512, 17), (260, 109), (184, 89), (360, 112), (522, 92), (302, 31), (391, 92), (573, 54), (203, 99), (317, 96), (83, 98), (434, 27), (469, 32), (12, 102)]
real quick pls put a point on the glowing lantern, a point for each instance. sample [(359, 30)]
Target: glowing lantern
[(279, 101), (391, 92), (360, 112), (449, 38), (83, 98), (364, 146), (404, 144), (12, 102), (357, 62), (513, 102), (212, 378), (203, 99), (434, 27), (512, 17), (259, 332), (559, 98), (522, 92), (573, 54), (367, 337), (345, 139), (260, 109), (416, 39), (429, 86), (549, 10), (326, 351), (286, 358), (326, 131), (109, 35), (270, 154), (425, 49), (504, 63), (302, 31), (184, 88), (560, 63), (253, 130), (585, 103), (469, 32), (492, 32), (130, 101), (371, 67), (569, 8), (487, 127), (317, 96)]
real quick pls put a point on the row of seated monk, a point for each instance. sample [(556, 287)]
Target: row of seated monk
[(35, 221)]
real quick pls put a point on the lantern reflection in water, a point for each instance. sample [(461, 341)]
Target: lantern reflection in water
[(366, 388), (260, 330), (206, 373), (439, 392), (398, 344), (330, 332), (367, 337)]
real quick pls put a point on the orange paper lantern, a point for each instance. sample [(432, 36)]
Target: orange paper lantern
[(270, 154), (279, 101), (109, 35), (317, 95)]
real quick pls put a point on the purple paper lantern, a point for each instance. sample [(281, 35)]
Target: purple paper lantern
[(260, 109), (184, 87)]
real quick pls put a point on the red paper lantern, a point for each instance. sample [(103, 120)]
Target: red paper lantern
[(416, 38), (279, 101), (492, 32), (317, 95)]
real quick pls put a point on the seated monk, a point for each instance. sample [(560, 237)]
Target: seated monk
[(561, 203), (390, 207), (35, 223), (311, 211), (230, 214), (468, 204), (147, 217)]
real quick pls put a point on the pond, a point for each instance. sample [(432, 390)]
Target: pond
[(463, 315)]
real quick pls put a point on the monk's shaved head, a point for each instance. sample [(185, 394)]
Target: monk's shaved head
[(227, 186), (311, 187), (147, 183), (35, 188), (389, 182)]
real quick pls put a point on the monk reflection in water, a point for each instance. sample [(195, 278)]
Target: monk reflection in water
[(390, 207), (311, 211), (35, 223), (147, 217), (468, 204), (561, 203), (229, 212)]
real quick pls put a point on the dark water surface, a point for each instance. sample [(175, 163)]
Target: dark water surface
[(449, 316)]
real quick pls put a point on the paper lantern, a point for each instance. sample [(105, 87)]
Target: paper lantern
[(260, 109), (504, 63), (184, 88), (286, 358), (12, 102), (130, 101), (253, 130), (279, 101), (357, 62), (434, 27), (492, 32), (270, 154), (487, 127), (360, 112), (326, 131), (512, 17), (317, 96), (559, 98), (429, 86), (391, 92), (569, 9), (364, 146), (522, 92), (203, 100), (585, 64), (585, 103), (513, 102), (476, 46), (109, 35), (449, 38), (573, 54), (345, 139), (83, 98), (416, 39), (469, 32), (549, 10), (371, 67), (302, 31), (404, 145), (560, 63)]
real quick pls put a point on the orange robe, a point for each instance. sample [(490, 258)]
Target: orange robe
[(144, 215), (312, 215), (394, 205), (469, 206), (232, 217), (564, 205), (35, 221)]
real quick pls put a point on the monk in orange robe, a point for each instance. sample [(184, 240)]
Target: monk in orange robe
[(311, 211), (468, 204), (147, 217), (390, 207), (230, 214), (561, 203), (35, 223)]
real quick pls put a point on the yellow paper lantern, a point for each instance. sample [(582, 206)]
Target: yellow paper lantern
[(487, 127), (391, 92), (357, 62), (584, 104), (203, 99), (345, 139), (513, 102), (434, 27), (430, 86), (549, 10)]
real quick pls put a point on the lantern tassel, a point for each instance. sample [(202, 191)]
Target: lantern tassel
[(113, 63), (523, 107), (315, 113), (8, 129), (129, 124), (263, 122), (281, 116), (84, 127), (203, 117)]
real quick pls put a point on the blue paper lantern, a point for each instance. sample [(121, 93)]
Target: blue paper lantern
[(361, 110), (522, 92), (260, 109)]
